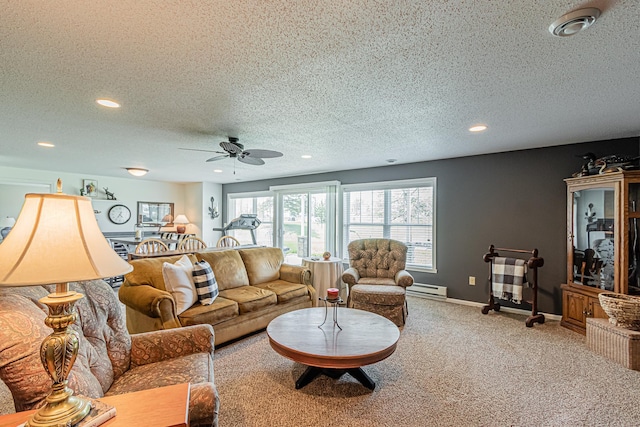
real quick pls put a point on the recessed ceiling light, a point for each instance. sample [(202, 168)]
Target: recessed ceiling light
[(477, 128), (392, 160), (137, 171), (217, 170), (306, 156), (46, 144), (108, 103)]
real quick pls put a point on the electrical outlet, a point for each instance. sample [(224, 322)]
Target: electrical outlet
[(472, 280)]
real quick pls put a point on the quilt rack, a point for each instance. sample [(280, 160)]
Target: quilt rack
[(533, 263)]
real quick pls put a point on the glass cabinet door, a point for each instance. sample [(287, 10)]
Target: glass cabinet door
[(634, 239), (593, 237)]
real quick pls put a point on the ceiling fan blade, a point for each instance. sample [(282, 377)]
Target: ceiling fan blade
[(262, 154), (231, 147), (251, 160), (197, 149), (213, 159)]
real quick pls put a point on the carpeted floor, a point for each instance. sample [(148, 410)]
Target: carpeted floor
[(453, 367)]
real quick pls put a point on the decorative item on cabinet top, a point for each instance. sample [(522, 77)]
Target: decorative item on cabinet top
[(606, 164)]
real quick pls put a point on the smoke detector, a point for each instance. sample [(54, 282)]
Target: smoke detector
[(574, 22)]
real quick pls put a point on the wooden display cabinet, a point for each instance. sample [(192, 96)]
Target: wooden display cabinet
[(603, 246)]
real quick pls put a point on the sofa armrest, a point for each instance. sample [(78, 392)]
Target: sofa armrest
[(151, 302), (350, 276), (156, 346), (295, 274), (404, 278)]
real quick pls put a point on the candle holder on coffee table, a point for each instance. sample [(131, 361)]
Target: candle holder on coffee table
[(335, 302)]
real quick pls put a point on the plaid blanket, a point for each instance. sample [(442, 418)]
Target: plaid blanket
[(509, 276)]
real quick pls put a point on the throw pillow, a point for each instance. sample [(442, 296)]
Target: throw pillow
[(179, 282), (205, 281)]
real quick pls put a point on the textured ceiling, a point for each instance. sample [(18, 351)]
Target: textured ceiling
[(351, 83)]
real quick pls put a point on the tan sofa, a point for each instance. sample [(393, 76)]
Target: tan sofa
[(255, 286)]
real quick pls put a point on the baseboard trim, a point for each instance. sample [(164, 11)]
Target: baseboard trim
[(547, 316)]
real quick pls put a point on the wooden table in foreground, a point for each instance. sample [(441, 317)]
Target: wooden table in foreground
[(156, 407), (365, 338)]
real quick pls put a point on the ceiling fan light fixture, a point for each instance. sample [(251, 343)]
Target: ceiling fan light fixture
[(574, 22), (137, 171)]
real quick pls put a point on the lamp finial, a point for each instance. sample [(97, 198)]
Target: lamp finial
[(59, 185)]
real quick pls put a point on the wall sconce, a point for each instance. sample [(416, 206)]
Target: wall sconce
[(213, 210)]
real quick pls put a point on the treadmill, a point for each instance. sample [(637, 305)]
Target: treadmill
[(243, 222)]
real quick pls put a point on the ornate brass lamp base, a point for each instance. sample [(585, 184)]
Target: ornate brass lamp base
[(58, 352)]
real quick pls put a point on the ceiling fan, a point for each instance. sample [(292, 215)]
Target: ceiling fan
[(233, 149)]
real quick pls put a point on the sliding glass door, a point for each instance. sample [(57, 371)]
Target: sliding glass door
[(306, 221)]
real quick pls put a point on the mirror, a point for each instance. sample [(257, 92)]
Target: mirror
[(12, 198), (155, 214), (593, 238)]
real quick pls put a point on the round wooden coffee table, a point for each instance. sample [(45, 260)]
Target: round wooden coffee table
[(365, 338)]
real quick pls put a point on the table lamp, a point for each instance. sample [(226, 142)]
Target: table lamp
[(56, 240), (181, 221)]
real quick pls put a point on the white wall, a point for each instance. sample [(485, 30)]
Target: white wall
[(187, 198), (210, 190)]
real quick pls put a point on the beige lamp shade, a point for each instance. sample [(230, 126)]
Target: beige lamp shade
[(56, 239), (181, 219)]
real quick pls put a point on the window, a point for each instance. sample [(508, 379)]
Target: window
[(260, 204), (306, 219), (400, 210)]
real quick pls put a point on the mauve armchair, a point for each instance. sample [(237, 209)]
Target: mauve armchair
[(110, 361)]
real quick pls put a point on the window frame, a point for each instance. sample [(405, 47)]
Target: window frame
[(392, 185), (230, 207)]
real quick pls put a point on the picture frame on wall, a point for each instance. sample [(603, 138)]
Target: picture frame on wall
[(90, 187)]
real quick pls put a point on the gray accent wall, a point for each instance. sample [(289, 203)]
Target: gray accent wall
[(512, 200)]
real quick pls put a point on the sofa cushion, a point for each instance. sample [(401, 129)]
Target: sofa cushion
[(376, 281), (285, 291), (227, 267), (262, 264), (178, 280), (205, 281), (220, 310), (250, 298), (378, 294), (148, 271)]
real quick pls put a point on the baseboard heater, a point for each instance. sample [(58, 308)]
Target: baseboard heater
[(427, 291)]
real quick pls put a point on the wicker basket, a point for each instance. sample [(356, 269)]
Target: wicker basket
[(623, 310)]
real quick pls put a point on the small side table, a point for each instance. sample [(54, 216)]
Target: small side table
[(325, 275), (158, 407)]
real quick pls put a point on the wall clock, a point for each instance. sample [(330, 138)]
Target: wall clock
[(119, 214)]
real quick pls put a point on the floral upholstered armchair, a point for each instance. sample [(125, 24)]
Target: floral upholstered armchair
[(110, 361), (377, 277)]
